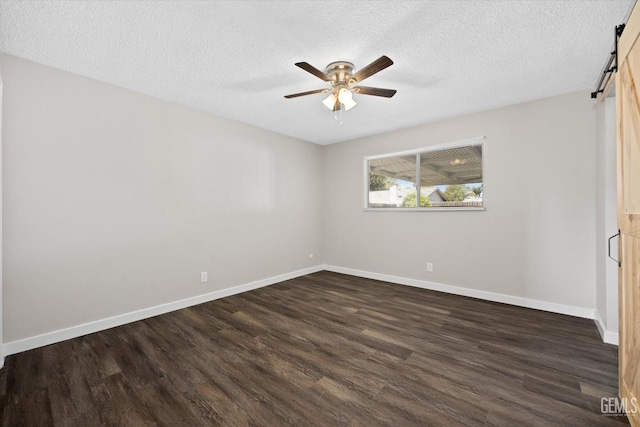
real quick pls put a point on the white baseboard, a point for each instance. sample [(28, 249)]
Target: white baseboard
[(607, 336), (100, 325), (571, 310)]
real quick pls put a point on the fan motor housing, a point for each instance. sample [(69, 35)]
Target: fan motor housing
[(339, 72)]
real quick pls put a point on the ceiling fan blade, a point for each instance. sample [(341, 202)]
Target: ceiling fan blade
[(376, 66), (311, 92), (375, 91), (313, 70)]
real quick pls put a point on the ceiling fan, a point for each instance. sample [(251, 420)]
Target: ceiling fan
[(342, 78)]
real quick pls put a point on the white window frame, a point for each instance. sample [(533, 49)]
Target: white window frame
[(477, 141)]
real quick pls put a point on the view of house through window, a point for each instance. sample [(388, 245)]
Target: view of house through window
[(449, 177)]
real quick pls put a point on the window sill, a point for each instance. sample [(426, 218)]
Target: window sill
[(424, 209)]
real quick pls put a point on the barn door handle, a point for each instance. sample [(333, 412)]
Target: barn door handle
[(615, 235)]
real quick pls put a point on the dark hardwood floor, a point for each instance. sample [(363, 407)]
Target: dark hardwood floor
[(325, 349)]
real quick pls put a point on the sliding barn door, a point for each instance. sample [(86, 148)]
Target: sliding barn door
[(628, 128)]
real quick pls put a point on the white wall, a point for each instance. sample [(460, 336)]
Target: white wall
[(606, 221), (536, 239), (115, 201)]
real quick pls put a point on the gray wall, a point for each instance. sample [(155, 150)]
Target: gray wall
[(536, 238), (1, 240), (115, 201)]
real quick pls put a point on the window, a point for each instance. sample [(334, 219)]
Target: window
[(447, 177)]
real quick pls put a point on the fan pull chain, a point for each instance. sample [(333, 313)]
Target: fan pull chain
[(335, 113)]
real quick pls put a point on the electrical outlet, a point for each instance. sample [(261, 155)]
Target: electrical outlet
[(430, 267), (204, 277)]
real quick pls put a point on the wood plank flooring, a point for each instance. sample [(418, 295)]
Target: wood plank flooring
[(322, 350)]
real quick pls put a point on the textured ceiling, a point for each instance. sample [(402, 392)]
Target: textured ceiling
[(236, 58)]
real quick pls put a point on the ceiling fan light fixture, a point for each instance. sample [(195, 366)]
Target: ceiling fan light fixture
[(345, 95), (330, 102), (340, 75), (349, 104)]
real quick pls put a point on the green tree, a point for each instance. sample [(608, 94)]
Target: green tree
[(477, 191), (410, 201), (456, 192), (379, 182)]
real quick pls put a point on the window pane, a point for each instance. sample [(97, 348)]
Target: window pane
[(392, 180), (444, 177), (452, 177)]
